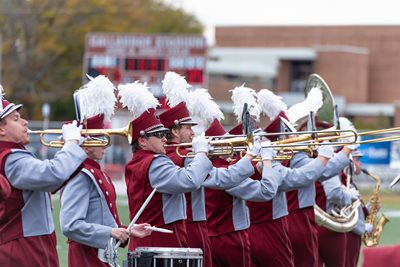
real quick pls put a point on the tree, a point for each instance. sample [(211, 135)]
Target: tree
[(43, 43)]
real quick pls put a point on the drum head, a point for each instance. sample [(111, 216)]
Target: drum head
[(165, 257), (168, 253)]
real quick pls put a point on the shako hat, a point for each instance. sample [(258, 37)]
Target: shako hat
[(7, 107), (142, 104)]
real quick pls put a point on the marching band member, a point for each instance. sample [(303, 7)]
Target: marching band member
[(26, 222), (5, 188), (88, 215), (149, 168), (179, 121), (354, 238), (331, 244), (330, 194), (227, 213), (300, 193), (268, 218)]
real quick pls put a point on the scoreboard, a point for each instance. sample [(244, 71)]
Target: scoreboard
[(126, 58)]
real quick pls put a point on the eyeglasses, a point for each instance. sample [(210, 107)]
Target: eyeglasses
[(159, 134)]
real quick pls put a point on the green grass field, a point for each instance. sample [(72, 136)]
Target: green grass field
[(62, 246), (389, 201)]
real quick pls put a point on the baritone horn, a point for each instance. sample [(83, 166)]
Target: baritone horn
[(92, 134), (343, 222)]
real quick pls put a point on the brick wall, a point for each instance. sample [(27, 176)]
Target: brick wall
[(372, 76)]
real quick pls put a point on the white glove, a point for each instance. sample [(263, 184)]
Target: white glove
[(72, 132), (368, 228), (352, 146), (354, 194), (81, 139), (255, 150), (267, 153), (325, 151), (348, 126), (200, 144)]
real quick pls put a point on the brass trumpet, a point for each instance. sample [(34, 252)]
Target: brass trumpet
[(224, 146), (125, 131), (287, 153)]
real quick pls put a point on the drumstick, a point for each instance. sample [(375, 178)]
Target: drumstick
[(395, 181), (157, 229), (132, 223)]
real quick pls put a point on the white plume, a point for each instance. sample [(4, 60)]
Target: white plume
[(242, 95), (314, 99), (271, 104), (137, 97), (313, 102), (97, 97), (346, 124), (202, 106), (175, 88)]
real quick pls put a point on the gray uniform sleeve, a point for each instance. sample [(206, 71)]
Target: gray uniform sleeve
[(360, 226), (258, 190), (299, 177), (224, 178), (171, 179), (26, 172), (334, 167), (335, 192), (76, 196)]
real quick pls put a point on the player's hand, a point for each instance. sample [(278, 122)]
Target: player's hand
[(121, 234)]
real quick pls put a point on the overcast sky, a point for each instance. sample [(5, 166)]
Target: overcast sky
[(290, 12)]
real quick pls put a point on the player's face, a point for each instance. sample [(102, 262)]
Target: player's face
[(13, 128), (154, 142), (95, 153), (185, 133)]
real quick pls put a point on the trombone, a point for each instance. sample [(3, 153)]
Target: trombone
[(310, 138), (317, 138), (305, 141), (93, 141), (374, 132)]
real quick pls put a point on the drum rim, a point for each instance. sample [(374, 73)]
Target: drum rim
[(169, 252)]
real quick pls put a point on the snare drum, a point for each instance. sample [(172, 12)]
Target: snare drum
[(165, 257)]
